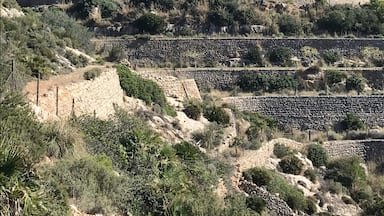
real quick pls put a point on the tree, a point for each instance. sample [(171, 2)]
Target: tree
[(150, 23), (333, 21)]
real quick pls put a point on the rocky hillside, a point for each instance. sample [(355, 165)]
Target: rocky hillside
[(89, 135)]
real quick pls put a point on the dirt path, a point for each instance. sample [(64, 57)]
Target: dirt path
[(60, 80)]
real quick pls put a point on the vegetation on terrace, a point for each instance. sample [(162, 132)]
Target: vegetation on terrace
[(191, 17)]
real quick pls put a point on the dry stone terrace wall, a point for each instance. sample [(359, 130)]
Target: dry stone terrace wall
[(205, 51), (316, 113), (368, 150), (224, 79)]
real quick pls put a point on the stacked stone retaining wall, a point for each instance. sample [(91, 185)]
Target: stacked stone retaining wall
[(273, 202), (368, 150), (209, 51), (224, 79), (317, 113)]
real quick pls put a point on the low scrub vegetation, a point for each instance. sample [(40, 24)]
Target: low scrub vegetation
[(276, 184), (92, 74), (146, 90)]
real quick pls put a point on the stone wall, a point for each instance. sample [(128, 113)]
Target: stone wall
[(97, 96), (368, 150), (32, 3), (181, 89), (208, 51), (313, 112), (226, 78), (273, 202)]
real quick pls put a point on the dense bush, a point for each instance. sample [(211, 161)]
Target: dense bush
[(317, 154), (259, 176), (91, 74), (23, 143), (291, 164), (254, 56), (150, 23), (276, 184), (216, 114), (77, 60), (347, 171), (193, 109), (261, 128), (290, 25), (103, 195), (257, 82), (255, 203), (280, 150), (83, 8), (334, 76), (331, 56), (351, 122), (281, 56), (311, 175), (344, 19), (356, 83), (116, 54), (210, 137), (187, 151), (65, 27), (146, 90)]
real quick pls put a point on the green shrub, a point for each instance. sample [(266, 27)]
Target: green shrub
[(77, 60), (83, 8), (351, 122), (347, 171), (187, 151), (276, 184), (257, 82), (311, 207), (64, 27), (374, 207), (290, 25), (331, 56), (334, 76), (356, 83), (216, 114), (311, 175), (98, 192), (135, 86), (150, 23), (280, 150), (116, 54), (281, 56), (291, 164), (317, 154), (92, 74), (210, 137), (255, 203), (259, 176), (254, 56), (193, 109)]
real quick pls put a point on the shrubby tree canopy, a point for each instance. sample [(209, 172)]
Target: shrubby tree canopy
[(150, 23)]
